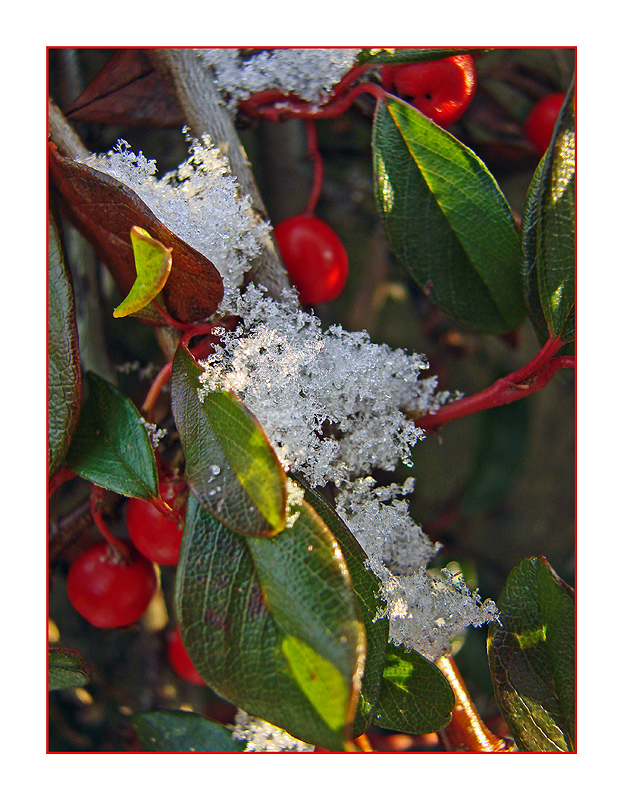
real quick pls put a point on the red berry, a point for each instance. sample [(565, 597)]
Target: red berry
[(440, 89), (157, 537), (110, 592), (179, 660), (314, 257), (539, 124)]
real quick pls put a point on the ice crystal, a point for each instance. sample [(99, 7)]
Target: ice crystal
[(154, 432), (330, 402), (309, 73), (200, 202), (262, 737), (425, 611)]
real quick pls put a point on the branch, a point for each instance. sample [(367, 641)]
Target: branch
[(466, 733), (525, 381), (205, 112)]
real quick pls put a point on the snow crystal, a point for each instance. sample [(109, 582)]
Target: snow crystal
[(262, 737), (425, 612), (200, 202), (309, 73), (329, 402)]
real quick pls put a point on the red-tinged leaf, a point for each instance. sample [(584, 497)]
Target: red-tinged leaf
[(105, 210), (127, 91)]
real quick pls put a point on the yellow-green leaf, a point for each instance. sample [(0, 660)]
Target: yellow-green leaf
[(153, 265)]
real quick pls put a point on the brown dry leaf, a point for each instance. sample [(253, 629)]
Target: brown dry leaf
[(104, 210), (127, 91)]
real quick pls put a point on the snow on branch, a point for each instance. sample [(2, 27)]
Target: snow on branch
[(309, 73)]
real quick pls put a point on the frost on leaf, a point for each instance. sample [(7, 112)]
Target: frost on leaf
[(425, 612), (200, 202), (309, 73), (330, 402), (262, 737)]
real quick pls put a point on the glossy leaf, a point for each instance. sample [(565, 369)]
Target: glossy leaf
[(272, 624), (531, 653), (230, 466), (162, 731), (415, 695), (104, 210), (548, 233), (529, 249), (64, 375), (446, 220), (153, 265), (111, 447), (366, 587), (409, 55), (66, 669)]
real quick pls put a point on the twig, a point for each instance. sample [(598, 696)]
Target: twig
[(466, 733), (525, 381), (205, 112)]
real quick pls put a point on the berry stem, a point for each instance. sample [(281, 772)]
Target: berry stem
[(525, 381), (96, 498), (363, 743), (166, 510), (314, 154), (200, 351), (61, 476), (334, 107), (466, 732)]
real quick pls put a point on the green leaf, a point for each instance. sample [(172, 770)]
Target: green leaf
[(163, 731), (111, 447), (531, 650), (410, 55), (66, 669), (548, 233), (64, 375), (153, 264), (529, 248), (415, 695), (367, 590), (446, 220), (272, 624), (230, 465)]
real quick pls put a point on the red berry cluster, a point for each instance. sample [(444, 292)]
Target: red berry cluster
[(112, 587)]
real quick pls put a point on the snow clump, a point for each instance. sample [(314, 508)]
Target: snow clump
[(309, 73), (200, 202)]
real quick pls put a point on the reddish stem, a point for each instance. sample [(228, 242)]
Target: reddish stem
[(96, 498), (466, 732), (334, 107), (525, 381), (200, 351), (313, 153), (350, 77), (171, 321), (166, 510), (60, 477)]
